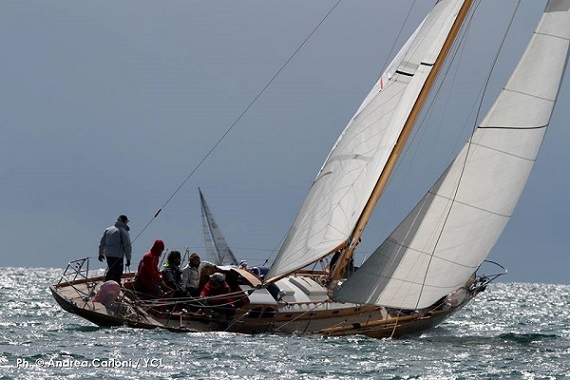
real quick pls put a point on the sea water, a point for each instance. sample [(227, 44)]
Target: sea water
[(511, 331)]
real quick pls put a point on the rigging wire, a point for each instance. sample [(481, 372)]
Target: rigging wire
[(397, 38), (237, 120), (475, 126), (407, 152), (383, 68), (437, 93)]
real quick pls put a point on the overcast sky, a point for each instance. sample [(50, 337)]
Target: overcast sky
[(107, 107)]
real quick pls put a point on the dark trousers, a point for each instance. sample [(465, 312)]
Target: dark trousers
[(115, 269)]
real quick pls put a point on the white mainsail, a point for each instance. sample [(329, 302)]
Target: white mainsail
[(216, 246), (344, 184), (440, 244)]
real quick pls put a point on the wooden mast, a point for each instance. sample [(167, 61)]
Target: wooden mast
[(342, 262)]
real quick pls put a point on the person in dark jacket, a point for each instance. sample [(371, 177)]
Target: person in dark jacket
[(115, 245), (172, 274), (148, 280)]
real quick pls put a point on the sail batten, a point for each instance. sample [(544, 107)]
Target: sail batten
[(437, 247), (510, 127)]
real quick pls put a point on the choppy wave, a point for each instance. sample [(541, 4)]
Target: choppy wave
[(512, 331)]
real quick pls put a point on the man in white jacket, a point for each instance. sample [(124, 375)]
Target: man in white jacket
[(191, 275)]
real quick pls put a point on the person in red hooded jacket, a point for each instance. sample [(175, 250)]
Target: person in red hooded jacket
[(148, 279), (215, 288), (216, 293)]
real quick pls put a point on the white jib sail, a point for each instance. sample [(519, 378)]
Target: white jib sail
[(216, 246), (344, 184), (449, 233)]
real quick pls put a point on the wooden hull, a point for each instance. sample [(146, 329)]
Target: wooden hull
[(318, 316), (99, 314)]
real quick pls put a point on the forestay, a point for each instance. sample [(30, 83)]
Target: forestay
[(449, 233), (345, 182)]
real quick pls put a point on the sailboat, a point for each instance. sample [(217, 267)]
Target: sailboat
[(428, 267), (216, 246)]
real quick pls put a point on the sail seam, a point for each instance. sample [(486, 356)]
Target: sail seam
[(431, 255), (528, 94), (553, 36), (502, 151), (454, 200), (458, 285)]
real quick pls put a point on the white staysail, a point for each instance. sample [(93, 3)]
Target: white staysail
[(216, 246), (344, 184), (439, 245)]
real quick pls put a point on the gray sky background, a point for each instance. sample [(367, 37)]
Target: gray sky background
[(107, 106)]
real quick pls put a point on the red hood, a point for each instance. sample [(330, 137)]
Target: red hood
[(157, 247)]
